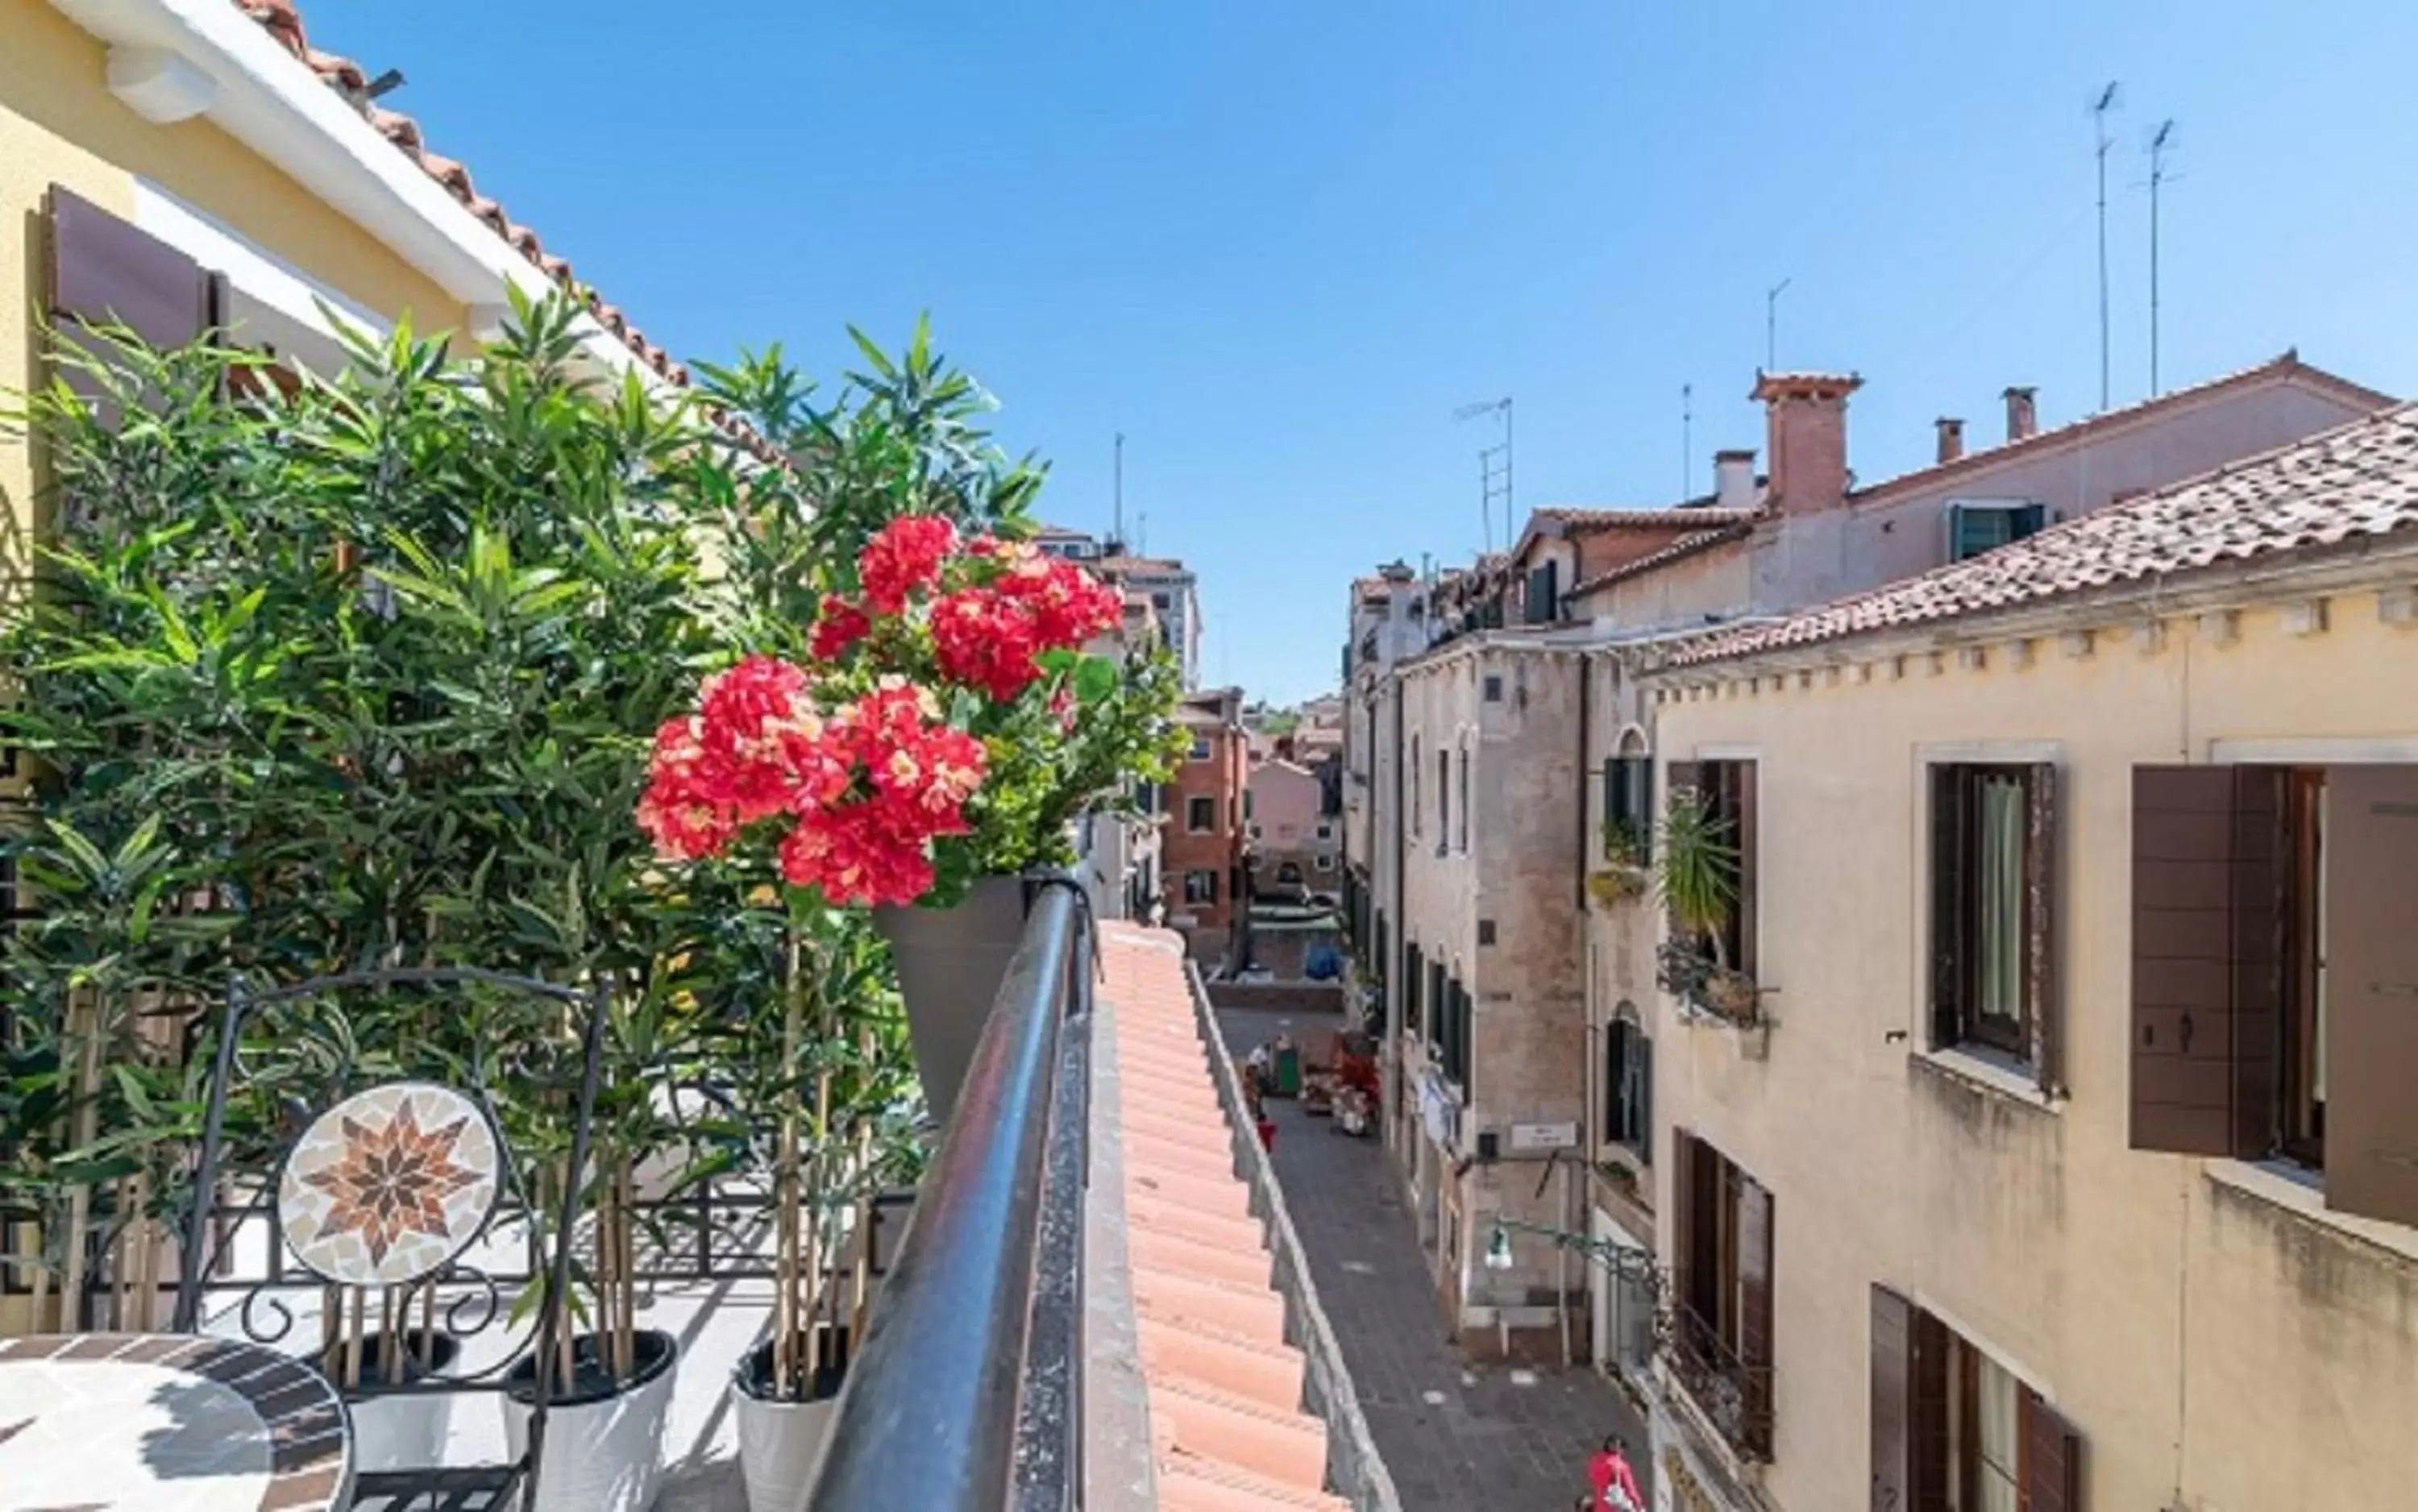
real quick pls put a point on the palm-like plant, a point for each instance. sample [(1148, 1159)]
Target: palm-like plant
[(1698, 878)]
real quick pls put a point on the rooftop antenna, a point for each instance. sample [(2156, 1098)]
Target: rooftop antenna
[(1687, 441), (384, 85), (1494, 469), (2158, 144), (2106, 102), (1142, 530), (1771, 325), (1118, 533)]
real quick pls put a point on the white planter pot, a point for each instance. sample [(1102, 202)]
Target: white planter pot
[(405, 1431), (603, 1453), (781, 1442)]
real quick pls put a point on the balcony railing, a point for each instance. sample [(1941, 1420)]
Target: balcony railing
[(967, 1395), (1734, 1394)]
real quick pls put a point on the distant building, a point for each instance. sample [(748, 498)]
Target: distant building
[(1174, 597), (1294, 846), (1074, 545), (1201, 843)]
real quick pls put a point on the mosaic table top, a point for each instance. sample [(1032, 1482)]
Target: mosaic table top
[(137, 1422)]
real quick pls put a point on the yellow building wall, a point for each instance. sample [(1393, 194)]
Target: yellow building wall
[(2219, 1350), (59, 124)]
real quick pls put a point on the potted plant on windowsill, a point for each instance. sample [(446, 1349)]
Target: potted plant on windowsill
[(1622, 877), (1698, 879)]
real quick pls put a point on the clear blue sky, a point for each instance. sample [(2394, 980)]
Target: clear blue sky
[(1277, 243)]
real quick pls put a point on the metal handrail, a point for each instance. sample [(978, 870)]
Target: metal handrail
[(963, 1398), (1737, 1396)]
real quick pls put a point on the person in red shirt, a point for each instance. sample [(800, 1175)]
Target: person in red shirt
[(1615, 1485)]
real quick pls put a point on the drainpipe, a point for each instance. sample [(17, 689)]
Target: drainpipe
[(1401, 910), (1585, 691)]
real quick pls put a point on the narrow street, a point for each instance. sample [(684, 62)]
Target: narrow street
[(1458, 1437)]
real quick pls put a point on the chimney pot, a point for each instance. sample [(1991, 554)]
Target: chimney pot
[(1734, 479), (1951, 437), (1805, 419), (2022, 415)]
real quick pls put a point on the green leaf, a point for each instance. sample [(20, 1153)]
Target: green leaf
[(1095, 679)]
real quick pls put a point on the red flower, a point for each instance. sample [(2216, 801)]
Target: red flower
[(905, 557), (763, 742), (839, 626), (984, 640), (677, 810), (852, 856)]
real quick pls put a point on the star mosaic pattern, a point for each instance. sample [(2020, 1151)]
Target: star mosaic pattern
[(389, 1184)]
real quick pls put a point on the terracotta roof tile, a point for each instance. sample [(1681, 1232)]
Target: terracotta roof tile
[(1228, 1426), (2358, 480), (1701, 515), (1687, 546)]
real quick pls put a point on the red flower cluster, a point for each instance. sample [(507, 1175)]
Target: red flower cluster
[(988, 637), (905, 557), (869, 785), (838, 625)]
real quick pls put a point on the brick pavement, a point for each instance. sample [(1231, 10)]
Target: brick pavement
[(1458, 1437)]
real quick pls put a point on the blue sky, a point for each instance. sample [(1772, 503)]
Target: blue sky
[(1278, 242)]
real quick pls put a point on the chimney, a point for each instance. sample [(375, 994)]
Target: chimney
[(1951, 438), (2023, 417), (1734, 479), (1805, 423)]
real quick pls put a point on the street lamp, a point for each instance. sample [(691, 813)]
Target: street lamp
[(1498, 1248)]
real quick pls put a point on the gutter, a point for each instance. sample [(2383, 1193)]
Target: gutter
[(1587, 689), (261, 96)]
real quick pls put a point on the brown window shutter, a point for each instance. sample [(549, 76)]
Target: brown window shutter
[(1754, 1280), (1892, 1387), (1950, 857), (2371, 898), (1686, 1155), (1927, 1415), (2182, 1071), (2051, 1457), (2040, 928), (104, 269), (1747, 800), (2260, 902)]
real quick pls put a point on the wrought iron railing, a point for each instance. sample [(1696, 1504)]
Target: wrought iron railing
[(1732, 1394), (967, 1395)]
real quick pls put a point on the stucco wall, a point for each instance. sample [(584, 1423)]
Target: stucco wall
[(2204, 1338), (59, 124)]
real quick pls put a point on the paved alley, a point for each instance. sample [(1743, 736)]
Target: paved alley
[(1457, 1437)]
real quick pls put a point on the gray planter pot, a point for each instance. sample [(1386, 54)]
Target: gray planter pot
[(951, 962)]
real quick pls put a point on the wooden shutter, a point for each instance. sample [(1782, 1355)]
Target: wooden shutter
[(2040, 928), (1611, 799), (1747, 803), (1892, 1401), (2259, 901), (1950, 867), (1927, 1415), (1684, 1159), (1754, 1281), (2051, 1457), (2371, 970), (1640, 1107), (2182, 1072)]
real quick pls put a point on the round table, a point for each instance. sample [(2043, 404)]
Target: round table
[(164, 1421)]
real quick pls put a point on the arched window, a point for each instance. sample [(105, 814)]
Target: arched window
[(1629, 1083)]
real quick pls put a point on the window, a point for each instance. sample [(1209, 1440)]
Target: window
[(1955, 1429), (1252, 830), (1158, 601), (1727, 790), (1975, 528), (1199, 747), (1992, 861), (2275, 924), (1486, 931), (1414, 979), (1628, 1085), (1453, 1030), (1444, 798), (1629, 807), (1249, 805), (1544, 598), (1463, 840), (1325, 832), (1417, 827), (1201, 886), (1493, 689), (1326, 862), (1289, 873), (1201, 815), (1722, 1344)]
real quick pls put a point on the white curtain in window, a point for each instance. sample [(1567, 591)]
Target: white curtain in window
[(2002, 897), (1998, 1435)]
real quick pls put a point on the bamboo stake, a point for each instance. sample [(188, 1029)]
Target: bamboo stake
[(121, 1257), (566, 1358), (331, 1327), (85, 1011), (784, 1180), (629, 1263), (389, 1340), (817, 1218), (353, 1339), (154, 1237), (427, 1325)]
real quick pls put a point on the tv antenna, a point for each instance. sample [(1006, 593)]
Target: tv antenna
[(2107, 100), (1494, 469), (1687, 439), (1117, 531), (2159, 143), (1771, 325)]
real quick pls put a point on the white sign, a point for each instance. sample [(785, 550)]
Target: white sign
[(1544, 1135)]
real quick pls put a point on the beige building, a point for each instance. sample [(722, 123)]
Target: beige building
[(2068, 1157)]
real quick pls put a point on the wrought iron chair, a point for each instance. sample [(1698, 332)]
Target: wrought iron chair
[(374, 1198)]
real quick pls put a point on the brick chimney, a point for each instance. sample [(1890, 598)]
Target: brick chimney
[(1805, 423), (1734, 479), (1951, 438), (2023, 416)]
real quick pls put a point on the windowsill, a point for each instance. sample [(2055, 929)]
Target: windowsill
[(1990, 1071), (2300, 1192)]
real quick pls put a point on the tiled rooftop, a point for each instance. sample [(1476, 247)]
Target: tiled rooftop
[(1684, 517), (1687, 546), (1225, 1390), (2358, 480)]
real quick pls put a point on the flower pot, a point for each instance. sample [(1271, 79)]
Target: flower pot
[(603, 1449), (1731, 994), (951, 962), (406, 1430), (781, 1441)]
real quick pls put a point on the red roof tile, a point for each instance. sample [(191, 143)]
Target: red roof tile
[(2358, 480), (1700, 517), (1687, 546), (282, 21)]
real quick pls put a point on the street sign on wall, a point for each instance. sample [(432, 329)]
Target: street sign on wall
[(1544, 1135)]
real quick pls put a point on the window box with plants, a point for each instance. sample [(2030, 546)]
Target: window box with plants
[(1623, 876), (1700, 883)]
